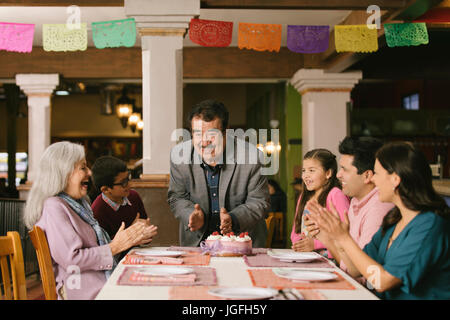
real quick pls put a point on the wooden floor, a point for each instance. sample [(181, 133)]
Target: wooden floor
[(34, 288)]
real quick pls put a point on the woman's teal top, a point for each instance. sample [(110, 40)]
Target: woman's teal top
[(419, 257)]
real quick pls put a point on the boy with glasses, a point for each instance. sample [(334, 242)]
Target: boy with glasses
[(117, 203)]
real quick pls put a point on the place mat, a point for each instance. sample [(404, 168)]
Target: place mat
[(264, 260), (202, 276), (188, 258), (201, 293), (267, 278), (256, 251)]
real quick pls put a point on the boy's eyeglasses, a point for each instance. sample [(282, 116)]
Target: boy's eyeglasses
[(124, 182)]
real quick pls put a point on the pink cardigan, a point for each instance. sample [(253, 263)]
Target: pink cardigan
[(340, 202), (73, 246)]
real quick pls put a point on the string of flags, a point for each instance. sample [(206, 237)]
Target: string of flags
[(18, 37)]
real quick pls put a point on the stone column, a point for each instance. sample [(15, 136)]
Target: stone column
[(162, 26), (39, 89), (325, 115)]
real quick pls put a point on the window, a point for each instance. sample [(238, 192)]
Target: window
[(21, 165), (411, 102)]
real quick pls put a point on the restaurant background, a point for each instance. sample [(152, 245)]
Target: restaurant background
[(253, 85)]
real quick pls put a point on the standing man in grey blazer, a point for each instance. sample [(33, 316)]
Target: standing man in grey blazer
[(213, 185)]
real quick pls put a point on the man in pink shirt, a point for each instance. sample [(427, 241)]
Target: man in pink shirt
[(366, 212)]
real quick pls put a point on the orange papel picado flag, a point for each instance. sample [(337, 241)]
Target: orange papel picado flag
[(259, 37)]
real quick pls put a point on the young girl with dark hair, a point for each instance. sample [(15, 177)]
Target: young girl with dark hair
[(319, 183), (409, 256)]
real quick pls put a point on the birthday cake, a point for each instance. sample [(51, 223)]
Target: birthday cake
[(228, 245)]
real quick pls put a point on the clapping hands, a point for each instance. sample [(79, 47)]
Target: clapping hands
[(305, 244), (148, 232), (324, 223), (138, 233), (225, 221), (196, 219)]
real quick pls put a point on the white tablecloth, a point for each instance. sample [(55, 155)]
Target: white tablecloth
[(231, 272)]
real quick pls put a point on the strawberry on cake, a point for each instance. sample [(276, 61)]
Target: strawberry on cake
[(228, 245)]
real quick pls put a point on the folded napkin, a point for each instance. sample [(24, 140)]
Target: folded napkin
[(201, 293), (179, 278), (306, 295), (264, 260), (201, 276), (139, 259), (189, 258)]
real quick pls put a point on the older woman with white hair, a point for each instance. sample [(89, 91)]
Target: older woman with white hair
[(82, 252)]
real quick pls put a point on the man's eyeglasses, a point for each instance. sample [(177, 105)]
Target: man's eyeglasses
[(124, 182)]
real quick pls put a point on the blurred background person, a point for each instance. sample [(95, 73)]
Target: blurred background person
[(278, 206), (277, 197)]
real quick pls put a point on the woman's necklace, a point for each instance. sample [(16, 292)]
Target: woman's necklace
[(391, 238), (403, 222)]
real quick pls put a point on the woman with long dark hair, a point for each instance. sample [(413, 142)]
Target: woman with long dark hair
[(409, 256), (319, 183)]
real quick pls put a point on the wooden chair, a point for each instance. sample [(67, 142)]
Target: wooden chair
[(270, 223), (10, 245), (279, 226), (45, 262), (278, 221)]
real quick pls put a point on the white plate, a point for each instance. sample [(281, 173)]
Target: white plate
[(295, 256), (159, 253), (244, 293), (304, 275), (163, 271)]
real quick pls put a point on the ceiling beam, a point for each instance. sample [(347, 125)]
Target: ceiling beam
[(232, 62), (126, 63), (417, 8), (91, 63), (230, 4), (338, 62), (62, 3), (302, 4), (435, 18)]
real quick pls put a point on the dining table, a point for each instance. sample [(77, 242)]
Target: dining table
[(256, 271)]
